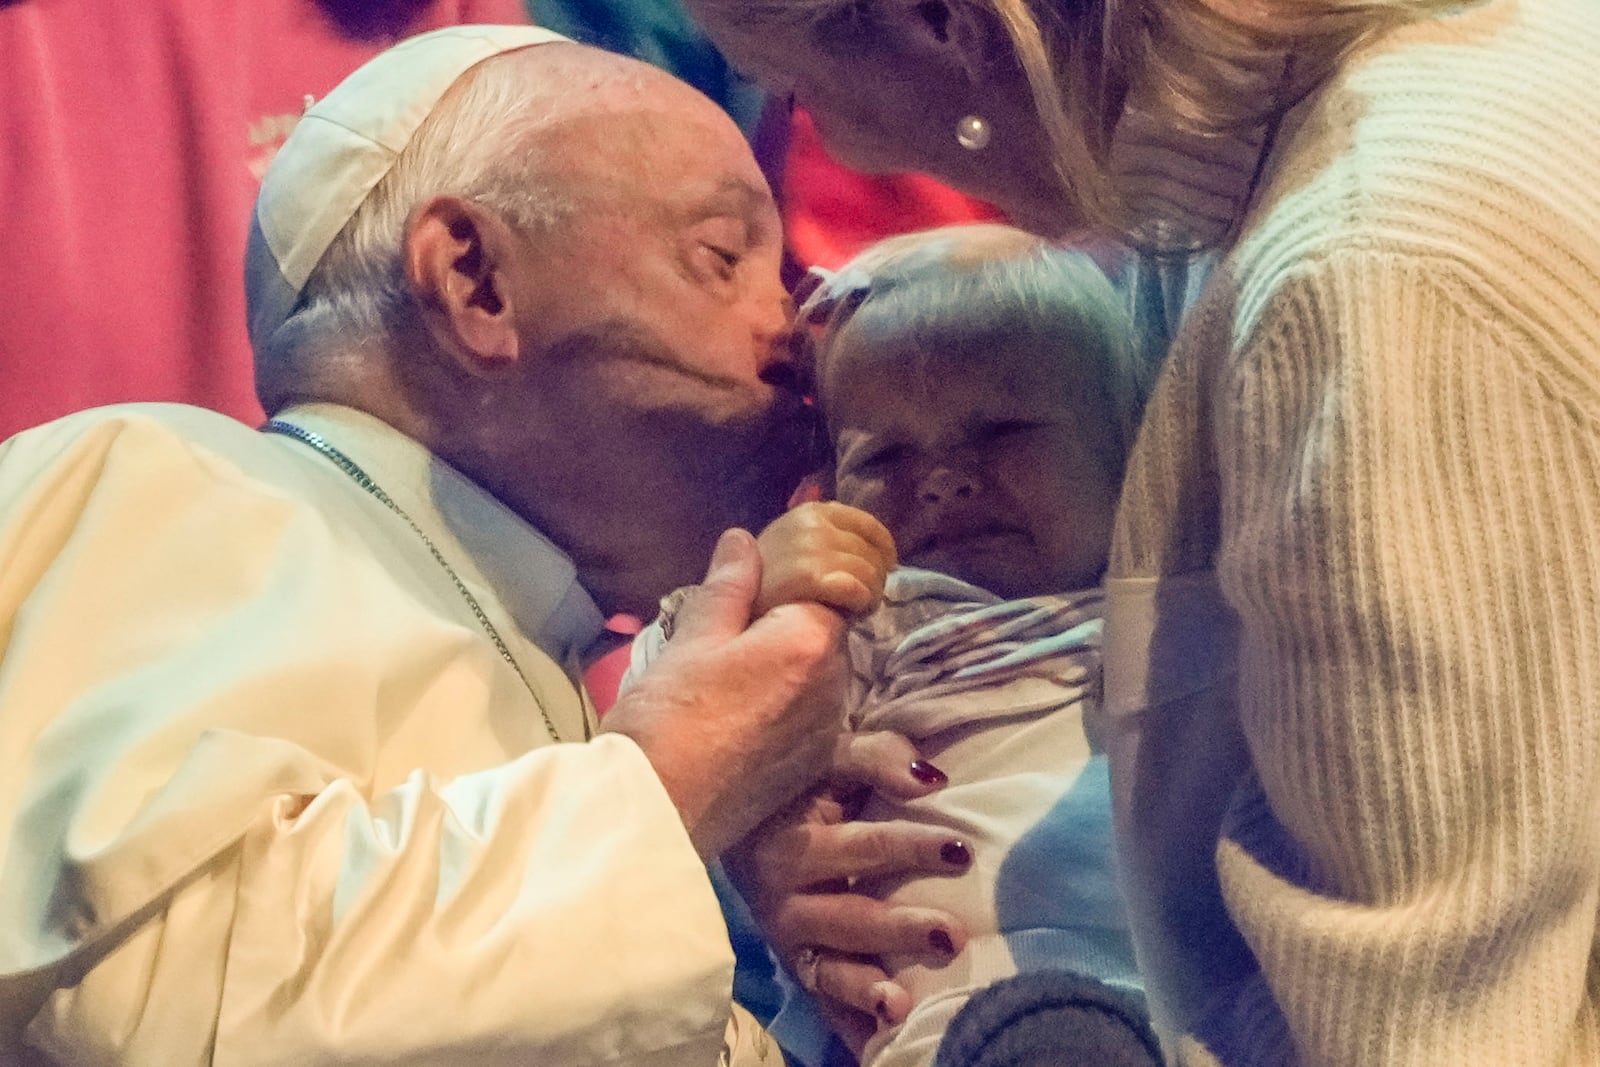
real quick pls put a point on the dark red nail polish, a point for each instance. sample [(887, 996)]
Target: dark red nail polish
[(940, 940), (883, 1013), (956, 854), (927, 773)]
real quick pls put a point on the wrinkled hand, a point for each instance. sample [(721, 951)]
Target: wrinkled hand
[(796, 871), (825, 552), (737, 717)]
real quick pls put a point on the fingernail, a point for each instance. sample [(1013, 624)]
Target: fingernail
[(927, 773), (940, 940), (884, 991), (727, 557), (955, 853), (720, 555)]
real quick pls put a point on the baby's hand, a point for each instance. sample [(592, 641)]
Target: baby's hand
[(827, 552)]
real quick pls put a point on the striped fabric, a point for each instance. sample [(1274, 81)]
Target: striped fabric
[(937, 639)]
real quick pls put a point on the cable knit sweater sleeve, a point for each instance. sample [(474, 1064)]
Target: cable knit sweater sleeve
[(1411, 515), (1380, 426)]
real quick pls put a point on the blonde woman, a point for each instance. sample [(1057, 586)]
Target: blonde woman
[(1353, 644)]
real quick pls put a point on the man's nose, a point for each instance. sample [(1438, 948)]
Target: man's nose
[(945, 484), (782, 360)]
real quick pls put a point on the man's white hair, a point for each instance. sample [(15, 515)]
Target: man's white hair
[(475, 144)]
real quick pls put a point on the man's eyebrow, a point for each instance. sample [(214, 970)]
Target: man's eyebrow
[(733, 193)]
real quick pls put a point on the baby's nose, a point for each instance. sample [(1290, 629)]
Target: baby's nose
[(943, 485)]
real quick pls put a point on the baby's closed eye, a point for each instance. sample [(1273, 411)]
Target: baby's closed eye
[(1001, 429)]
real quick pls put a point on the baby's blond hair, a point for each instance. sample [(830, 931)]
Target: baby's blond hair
[(985, 278)]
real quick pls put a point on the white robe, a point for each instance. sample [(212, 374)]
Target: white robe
[(271, 795)]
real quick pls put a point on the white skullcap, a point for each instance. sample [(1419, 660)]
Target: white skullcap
[(341, 149)]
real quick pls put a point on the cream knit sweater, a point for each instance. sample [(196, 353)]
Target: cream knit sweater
[(1379, 431)]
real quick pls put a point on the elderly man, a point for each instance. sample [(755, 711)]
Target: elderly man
[(297, 768)]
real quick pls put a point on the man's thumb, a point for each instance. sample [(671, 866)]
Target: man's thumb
[(721, 605)]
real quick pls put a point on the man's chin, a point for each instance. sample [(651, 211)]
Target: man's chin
[(791, 448), (685, 479)]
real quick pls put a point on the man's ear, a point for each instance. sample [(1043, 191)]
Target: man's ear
[(458, 261)]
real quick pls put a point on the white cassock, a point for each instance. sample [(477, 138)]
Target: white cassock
[(269, 793)]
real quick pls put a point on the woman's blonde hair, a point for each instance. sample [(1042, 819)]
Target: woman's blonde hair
[(1203, 81), (1207, 77)]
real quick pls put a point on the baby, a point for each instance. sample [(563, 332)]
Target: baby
[(980, 388)]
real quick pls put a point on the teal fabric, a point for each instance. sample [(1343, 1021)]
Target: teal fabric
[(755, 982), (661, 33)]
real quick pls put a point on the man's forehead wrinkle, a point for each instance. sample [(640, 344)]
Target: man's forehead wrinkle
[(641, 121), (594, 153), (728, 195), (743, 191), (586, 148)]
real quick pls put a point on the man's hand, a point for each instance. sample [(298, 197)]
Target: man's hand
[(797, 869), (737, 717), (825, 552)]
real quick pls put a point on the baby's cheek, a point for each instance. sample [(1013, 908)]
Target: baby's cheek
[(872, 495), (858, 492)]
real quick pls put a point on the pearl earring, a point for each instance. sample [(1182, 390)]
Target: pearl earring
[(972, 132)]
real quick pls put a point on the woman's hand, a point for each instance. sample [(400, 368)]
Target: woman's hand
[(797, 870)]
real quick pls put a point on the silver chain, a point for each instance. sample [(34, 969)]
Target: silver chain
[(319, 444)]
